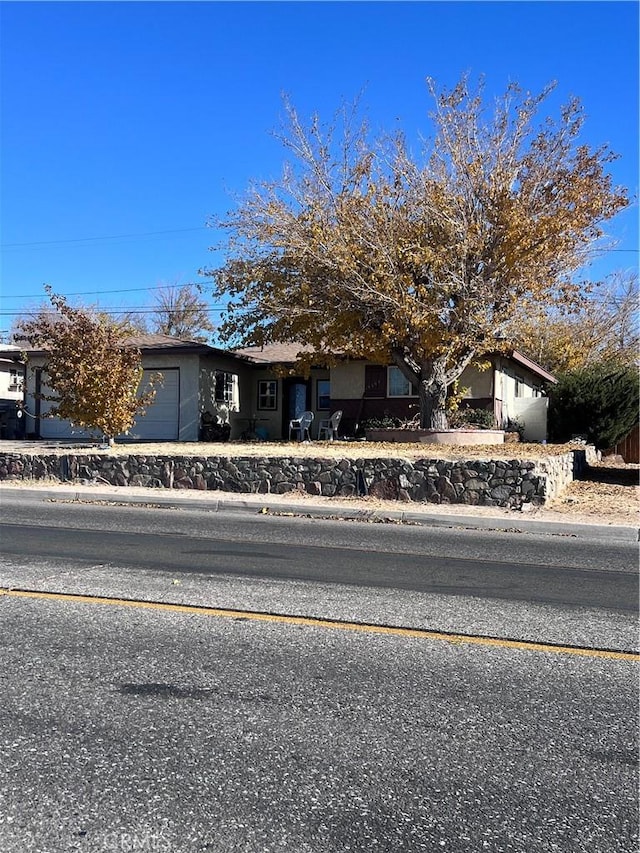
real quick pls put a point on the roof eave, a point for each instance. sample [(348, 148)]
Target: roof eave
[(533, 366)]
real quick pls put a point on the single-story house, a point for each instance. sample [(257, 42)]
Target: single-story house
[(258, 390), (510, 386)]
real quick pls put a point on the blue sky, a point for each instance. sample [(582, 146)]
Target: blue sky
[(125, 126)]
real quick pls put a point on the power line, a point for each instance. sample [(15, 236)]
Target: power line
[(103, 292), (115, 311), (109, 237)]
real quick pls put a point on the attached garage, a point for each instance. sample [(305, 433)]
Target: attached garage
[(161, 421), (56, 428), (189, 387)]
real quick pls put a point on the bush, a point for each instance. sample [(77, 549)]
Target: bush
[(462, 418), (514, 425), (388, 421), (385, 422), (599, 402)]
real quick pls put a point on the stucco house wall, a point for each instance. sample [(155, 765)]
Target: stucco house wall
[(11, 380), (500, 385), (268, 421), (239, 406), (479, 383), (273, 423), (520, 397)]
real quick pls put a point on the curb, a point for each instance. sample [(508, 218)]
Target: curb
[(618, 533), (515, 524)]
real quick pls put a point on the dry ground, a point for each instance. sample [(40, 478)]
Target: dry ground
[(608, 494), (313, 449)]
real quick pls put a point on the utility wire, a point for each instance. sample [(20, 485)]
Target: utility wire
[(94, 239), (115, 311), (103, 292)]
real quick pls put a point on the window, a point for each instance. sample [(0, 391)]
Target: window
[(519, 386), (398, 385), (226, 390), (323, 391), (15, 380), (267, 394)]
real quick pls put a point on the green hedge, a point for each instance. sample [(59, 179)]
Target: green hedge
[(599, 402)]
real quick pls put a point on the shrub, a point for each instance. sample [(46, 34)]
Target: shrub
[(385, 422), (514, 425), (599, 402), (481, 418)]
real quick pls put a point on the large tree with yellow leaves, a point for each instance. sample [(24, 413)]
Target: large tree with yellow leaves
[(359, 250), (92, 370), (605, 328)]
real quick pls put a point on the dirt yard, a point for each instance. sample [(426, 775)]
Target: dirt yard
[(608, 494)]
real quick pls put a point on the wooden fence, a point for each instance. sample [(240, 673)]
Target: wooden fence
[(629, 447)]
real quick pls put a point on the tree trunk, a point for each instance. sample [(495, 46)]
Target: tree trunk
[(432, 393), (432, 380)]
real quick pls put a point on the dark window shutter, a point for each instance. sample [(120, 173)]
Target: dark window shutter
[(375, 380)]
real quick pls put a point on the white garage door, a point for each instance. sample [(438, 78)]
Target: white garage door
[(59, 429), (161, 421)]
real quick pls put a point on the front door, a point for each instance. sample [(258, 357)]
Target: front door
[(297, 399)]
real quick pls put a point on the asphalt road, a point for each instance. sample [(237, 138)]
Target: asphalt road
[(130, 728), (538, 587), (139, 730)]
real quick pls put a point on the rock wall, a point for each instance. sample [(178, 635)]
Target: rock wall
[(499, 482)]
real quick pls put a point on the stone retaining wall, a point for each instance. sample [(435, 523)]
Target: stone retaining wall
[(499, 482)]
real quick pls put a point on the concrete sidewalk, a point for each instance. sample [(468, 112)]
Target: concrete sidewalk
[(539, 521)]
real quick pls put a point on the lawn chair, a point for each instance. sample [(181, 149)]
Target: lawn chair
[(329, 427), (302, 426)]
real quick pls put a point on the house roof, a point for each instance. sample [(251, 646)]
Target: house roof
[(287, 353), (154, 343), (268, 354), (145, 343), (533, 366), (10, 353)]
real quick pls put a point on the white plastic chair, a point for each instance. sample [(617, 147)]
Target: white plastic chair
[(329, 427), (302, 426)]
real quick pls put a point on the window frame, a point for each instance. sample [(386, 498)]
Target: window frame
[(320, 398), (264, 397), (15, 379), (225, 390), (413, 390)]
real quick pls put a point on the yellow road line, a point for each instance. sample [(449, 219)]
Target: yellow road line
[(314, 622)]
